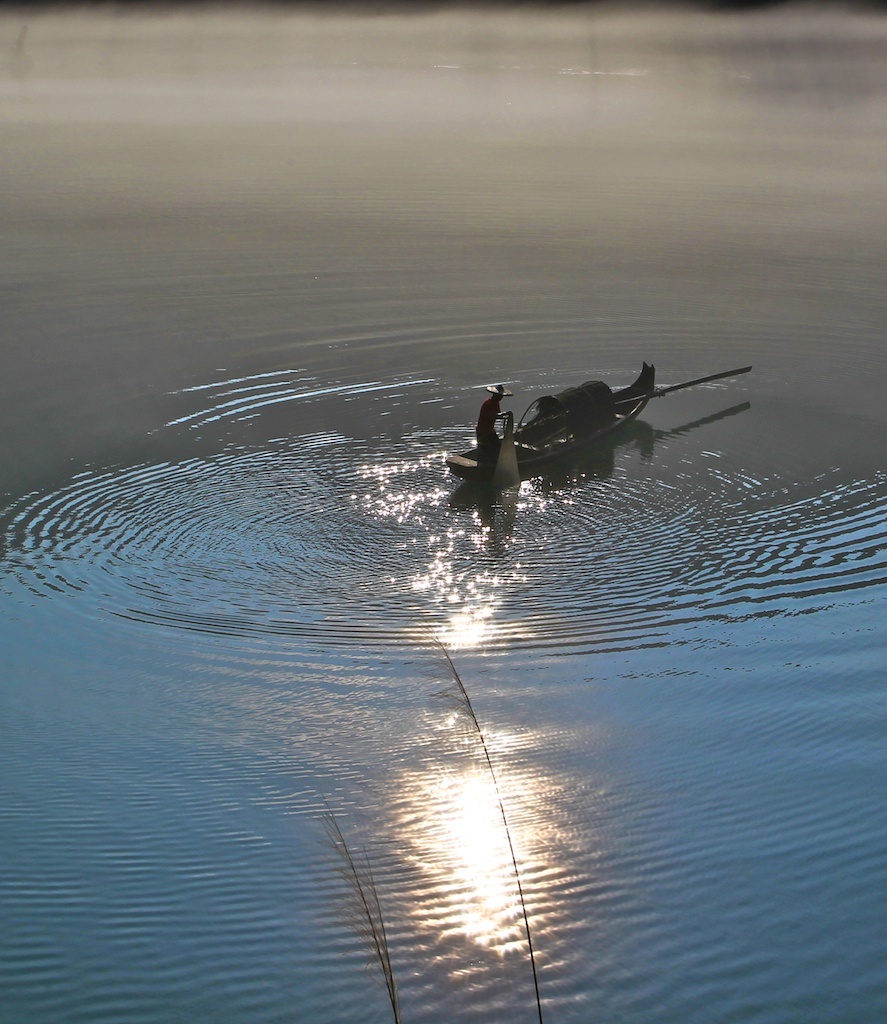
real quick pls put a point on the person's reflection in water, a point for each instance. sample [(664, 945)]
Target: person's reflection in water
[(495, 513)]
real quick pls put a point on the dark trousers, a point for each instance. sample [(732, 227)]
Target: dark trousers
[(488, 447)]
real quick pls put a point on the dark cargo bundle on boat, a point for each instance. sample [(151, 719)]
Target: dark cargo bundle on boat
[(574, 413)]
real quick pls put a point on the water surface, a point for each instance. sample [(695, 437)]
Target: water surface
[(257, 268)]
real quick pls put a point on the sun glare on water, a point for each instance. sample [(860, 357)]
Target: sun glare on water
[(464, 853), (458, 844), (472, 828), (465, 596), (448, 560)]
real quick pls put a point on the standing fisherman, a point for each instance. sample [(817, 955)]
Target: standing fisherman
[(487, 439)]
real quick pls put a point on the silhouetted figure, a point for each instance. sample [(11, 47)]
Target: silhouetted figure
[(488, 441)]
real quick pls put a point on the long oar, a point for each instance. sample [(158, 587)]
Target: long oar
[(659, 392)]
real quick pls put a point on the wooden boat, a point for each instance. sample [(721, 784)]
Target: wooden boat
[(559, 425)]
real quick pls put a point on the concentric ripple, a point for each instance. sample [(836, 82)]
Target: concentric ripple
[(243, 398), (315, 539), (323, 538), (657, 558), (247, 542)]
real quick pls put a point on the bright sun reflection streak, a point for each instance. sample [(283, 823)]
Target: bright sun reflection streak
[(471, 628), (453, 823), (467, 852), (455, 573), (468, 592)]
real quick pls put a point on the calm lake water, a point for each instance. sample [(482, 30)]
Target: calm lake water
[(256, 269)]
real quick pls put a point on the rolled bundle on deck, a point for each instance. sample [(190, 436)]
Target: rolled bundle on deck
[(574, 413)]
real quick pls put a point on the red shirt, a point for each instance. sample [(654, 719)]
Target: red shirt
[(486, 421)]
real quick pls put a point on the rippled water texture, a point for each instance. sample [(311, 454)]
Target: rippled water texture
[(256, 269), (286, 538)]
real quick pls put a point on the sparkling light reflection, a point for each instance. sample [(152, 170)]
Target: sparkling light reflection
[(456, 838), (456, 564), (460, 845)]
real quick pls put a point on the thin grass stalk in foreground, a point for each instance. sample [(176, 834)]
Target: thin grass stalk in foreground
[(369, 921), (464, 703)]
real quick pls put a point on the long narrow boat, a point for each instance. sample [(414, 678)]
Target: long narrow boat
[(555, 426)]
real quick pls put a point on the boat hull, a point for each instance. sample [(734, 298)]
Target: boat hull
[(534, 461)]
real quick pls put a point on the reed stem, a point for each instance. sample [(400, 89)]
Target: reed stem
[(464, 702), (367, 908)]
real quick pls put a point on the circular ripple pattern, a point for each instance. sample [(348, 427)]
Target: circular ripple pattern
[(312, 540), (317, 537), (653, 558), (248, 542)]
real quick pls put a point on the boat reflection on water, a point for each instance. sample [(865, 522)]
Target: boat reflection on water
[(496, 510)]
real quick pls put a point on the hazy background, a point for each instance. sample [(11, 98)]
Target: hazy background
[(591, 159)]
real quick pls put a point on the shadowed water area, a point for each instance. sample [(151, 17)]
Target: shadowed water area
[(256, 268)]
